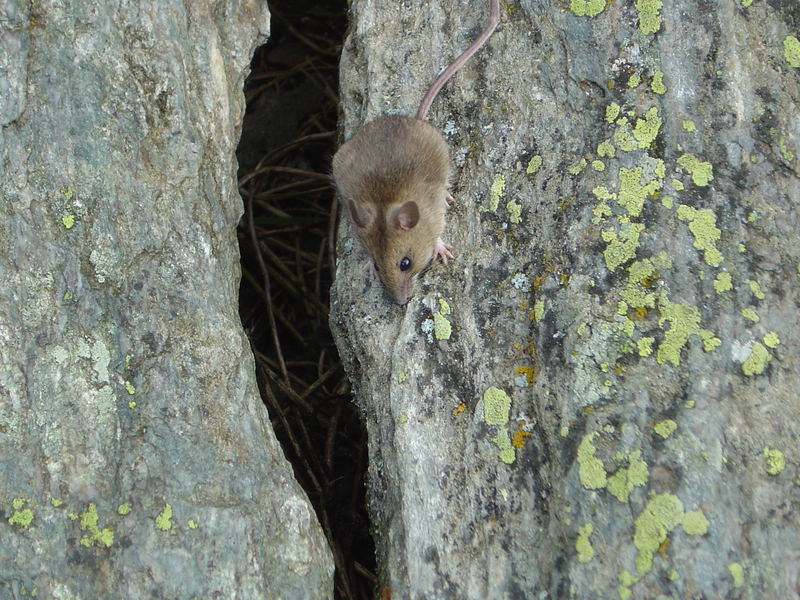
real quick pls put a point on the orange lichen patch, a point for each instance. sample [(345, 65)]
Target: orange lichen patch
[(529, 372), (518, 438), (459, 409)]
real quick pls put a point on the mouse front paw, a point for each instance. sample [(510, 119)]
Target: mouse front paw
[(441, 250), (370, 270)]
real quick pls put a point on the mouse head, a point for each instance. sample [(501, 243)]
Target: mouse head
[(400, 238)]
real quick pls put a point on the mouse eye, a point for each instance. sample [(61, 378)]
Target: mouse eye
[(405, 264)]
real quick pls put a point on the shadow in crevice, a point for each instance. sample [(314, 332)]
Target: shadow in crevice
[(288, 138)]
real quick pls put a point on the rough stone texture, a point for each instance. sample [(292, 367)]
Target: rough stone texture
[(136, 458), (642, 314)]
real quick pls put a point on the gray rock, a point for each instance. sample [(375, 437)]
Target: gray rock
[(136, 458), (599, 397)]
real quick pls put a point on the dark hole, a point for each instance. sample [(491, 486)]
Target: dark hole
[(288, 139)]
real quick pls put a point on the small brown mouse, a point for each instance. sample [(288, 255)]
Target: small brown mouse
[(392, 176)]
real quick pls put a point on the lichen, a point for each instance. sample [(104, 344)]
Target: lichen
[(694, 522), (598, 165), (496, 406), (514, 211), (701, 172), (21, 517), (756, 361), (124, 508), (442, 329), (621, 246), (94, 535), (497, 189), (68, 221), (591, 471), (538, 310), (657, 85), (737, 574), (503, 443), (645, 346), (774, 460), (689, 126), (534, 164), (660, 516), (684, 320), (621, 483), (632, 193), (587, 8), (755, 289), (582, 544), (163, 521), (702, 224), (771, 340), (665, 428), (723, 282), (791, 50), (647, 128), (649, 17), (750, 314), (612, 112)]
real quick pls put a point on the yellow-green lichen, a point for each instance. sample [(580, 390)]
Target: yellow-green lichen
[(56, 502), (598, 165), (606, 149), (750, 314), (21, 517), (702, 224), (647, 128), (689, 126), (667, 201), (632, 193), (577, 167), (737, 574), (694, 522), (791, 50), (534, 164), (684, 320), (442, 329), (657, 85), (665, 428), (701, 172), (591, 471), (192, 524), (787, 154), (514, 211), (129, 387), (497, 189), (503, 442), (634, 80), (164, 519), (582, 544), (757, 361), (649, 17), (587, 8), (131, 404), (621, 246), (538, 310), (755, 289), (67, 192), (661, 515), (94, 535), (677, 185), (68, 221), (444, 307), (771, 340), (645, 346), (621, 483), (612, 112), (774, 460), (124, 508), (723, 282), (496, 405)]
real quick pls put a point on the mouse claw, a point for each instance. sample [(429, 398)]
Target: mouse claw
[(441, 250), (449, 198)]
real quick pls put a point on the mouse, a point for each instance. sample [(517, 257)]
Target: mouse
[(393, 178)]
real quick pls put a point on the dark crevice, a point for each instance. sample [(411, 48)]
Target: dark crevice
[(288, 138)]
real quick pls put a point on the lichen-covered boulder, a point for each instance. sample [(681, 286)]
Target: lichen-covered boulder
[(599, 397), (136, 458)]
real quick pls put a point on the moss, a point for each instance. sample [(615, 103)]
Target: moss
[(660, 516), (694, 522), (534, 164), (442, 329), (755, 289), (723, 283), (647, 128), (774, 460), (587, 8), (649, 17), (757, 361), (737, 574), (750, 314), (612, 112), (771, 340), (164, 519), (791, 50), (21, 517), (701, 172), (621, 247), (497, 189), (582, 544), (621, 483), (496, 406), (657, 85), (665, 428), (591, 471), (702, 224)]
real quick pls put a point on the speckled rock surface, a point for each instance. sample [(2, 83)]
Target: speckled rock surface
[(136, 458), (599, 397)]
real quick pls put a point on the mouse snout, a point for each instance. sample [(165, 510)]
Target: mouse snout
[(404, 292)]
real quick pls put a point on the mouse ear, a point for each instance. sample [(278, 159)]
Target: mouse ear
[(405, 217), (362, 216)]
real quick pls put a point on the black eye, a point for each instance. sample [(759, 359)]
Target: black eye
[(405, 264)]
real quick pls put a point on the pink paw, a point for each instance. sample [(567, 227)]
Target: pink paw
[(370, 269), (441, 250)]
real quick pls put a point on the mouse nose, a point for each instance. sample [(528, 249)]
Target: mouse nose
[(404, 292)]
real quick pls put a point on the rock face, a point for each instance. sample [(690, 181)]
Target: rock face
[(136, 458), (599, 397)]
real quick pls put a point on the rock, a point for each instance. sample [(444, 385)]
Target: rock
[(602, 416), (136, 457)]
